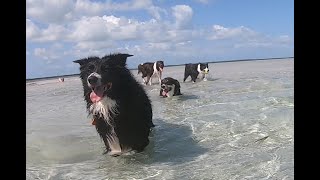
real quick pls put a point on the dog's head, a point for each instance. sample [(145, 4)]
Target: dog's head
[(101, 77), (203, 68), (160, 65), (168, 86)]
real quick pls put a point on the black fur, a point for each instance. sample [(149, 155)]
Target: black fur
[(166, 82), (146, 69), (133, 121), (191, 70)]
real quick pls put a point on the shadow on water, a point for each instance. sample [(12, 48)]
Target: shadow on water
[(184, 97), (212, 79), (169, 143)]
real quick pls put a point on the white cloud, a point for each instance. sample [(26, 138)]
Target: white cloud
[(32, 31), (285, 39), (156, 12), (183, 15), (47, 54), (104, 29), (87, 7), (49, 10), (52, 33), (159, 46), (202, 1), (91, 45), (58, 11), (89, 31), (219, 32)]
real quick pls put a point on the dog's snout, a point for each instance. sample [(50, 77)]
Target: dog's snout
[(93, 80)]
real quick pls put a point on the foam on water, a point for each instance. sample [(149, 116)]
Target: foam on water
[(236, 125)]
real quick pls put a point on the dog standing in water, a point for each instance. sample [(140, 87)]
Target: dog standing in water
[(195, 70), (151, 70), (121, 109)]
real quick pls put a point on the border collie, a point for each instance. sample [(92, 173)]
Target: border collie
[(195, 70), (150, 70), (121, 109), (170, 87)]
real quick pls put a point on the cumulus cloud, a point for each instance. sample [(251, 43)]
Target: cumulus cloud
[(45, 54), (52, 33), (58, 11), (91, 45), (156, 12), (103, 29), (51, 11), (183, 15), (84, 28), (32, 31)]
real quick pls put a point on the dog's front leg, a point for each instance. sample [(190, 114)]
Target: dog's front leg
[(159, 77), (204, 77), (144, 81), (147, 81)]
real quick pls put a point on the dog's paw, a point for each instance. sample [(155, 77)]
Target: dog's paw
[(114, 153)]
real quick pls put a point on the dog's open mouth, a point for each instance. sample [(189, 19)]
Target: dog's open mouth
[(165, 92), (99, 91)]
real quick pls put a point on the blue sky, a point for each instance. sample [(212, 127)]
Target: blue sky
[(59, 32)]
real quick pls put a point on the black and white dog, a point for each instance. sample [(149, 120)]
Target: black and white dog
[(119, 105), (151, 70), (195, 70), (170, 87)]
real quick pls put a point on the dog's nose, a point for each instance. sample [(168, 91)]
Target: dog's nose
[(92, 80)]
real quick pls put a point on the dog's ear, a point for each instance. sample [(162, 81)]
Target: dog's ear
[(118, 59), (85, 60), (80, 61), (123, 59)]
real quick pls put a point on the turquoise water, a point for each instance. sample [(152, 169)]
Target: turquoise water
[(237, 125)]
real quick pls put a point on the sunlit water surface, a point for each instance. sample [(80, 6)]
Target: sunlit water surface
[(237, 125)]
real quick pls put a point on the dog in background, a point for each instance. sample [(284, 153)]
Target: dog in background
[(195, 70), (170, 87), (119, 105), (151, 70)]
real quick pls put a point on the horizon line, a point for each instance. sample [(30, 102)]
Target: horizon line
[(171, 65)]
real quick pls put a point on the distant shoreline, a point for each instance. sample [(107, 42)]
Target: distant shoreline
[(226, 61)]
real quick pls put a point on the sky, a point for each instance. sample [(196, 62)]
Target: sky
[(177, 32)]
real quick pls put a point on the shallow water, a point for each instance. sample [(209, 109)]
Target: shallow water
[(237, 125)]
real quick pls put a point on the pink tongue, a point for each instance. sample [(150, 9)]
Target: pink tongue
[(97, 94), (164, 93)]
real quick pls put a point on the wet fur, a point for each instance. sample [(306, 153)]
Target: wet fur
[(192, 71), (149, 70), (168, 81), (124, 115)]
